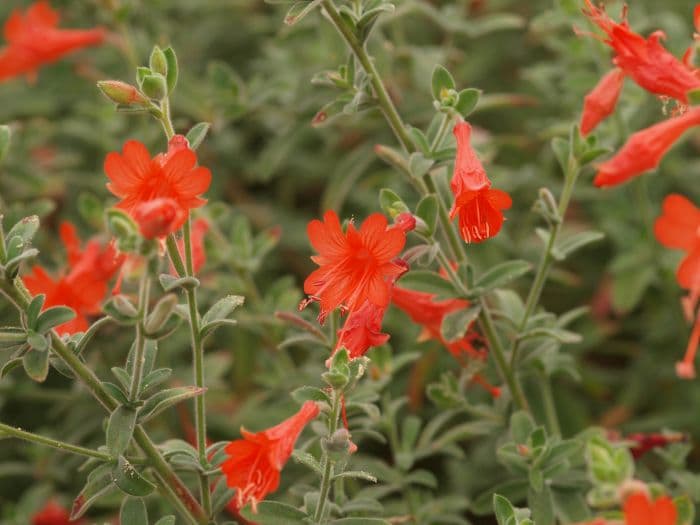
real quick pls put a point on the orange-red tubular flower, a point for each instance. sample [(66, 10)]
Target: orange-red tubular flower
[(478, 206), (362, 330), (601, 101), (639, 509), (84, 286), (646, 61), (679, 227), (255, 462), (159, 217), (136, 178), (355, 266), (426, 310), (33, 39), (644, 149)]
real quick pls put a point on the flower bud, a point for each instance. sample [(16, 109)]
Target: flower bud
[(122, 93), (405, 221), (158, 63), (161, 313), (124, 306), (159, 217), (155, 86), (120, 224)]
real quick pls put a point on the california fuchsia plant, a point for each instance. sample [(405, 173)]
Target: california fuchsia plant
[(349, 262)]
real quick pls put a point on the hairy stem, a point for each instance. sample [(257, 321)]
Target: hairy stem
[(137, 375), (327, 478), (7, 430)]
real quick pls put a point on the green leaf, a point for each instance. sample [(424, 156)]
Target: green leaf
[(155, 378), (11, 337), (427, 281), (222, 308), (116, 392), (441, 82), (120, 428), (34, 309), (310, 393), (52, 317), (36, 341), (173, 69), (197, 134), (503, 509), (307, 460), (561, 149), (99, 483), (170, 283), (391, 203), (455, 324), (170, 520), (24, 229), (274, 513), (427, 211), (502, 274), (356, 474), (36, 364), (542, 506), (167, 398), (299, 10), (467, 101), (574, 242), (419, 165), (127, 478), (686, 510), (133, 512), (521, 426), (420, 140), (563, 336)]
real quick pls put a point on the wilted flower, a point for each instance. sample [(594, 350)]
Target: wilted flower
[(33, 39)]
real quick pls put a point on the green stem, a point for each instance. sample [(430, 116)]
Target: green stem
[(545, 264), (165, 119), (53, 443), (17, 295), (3, 253), (327, 478), (197, 357), (383, 99), (137, 374), (440, 136)]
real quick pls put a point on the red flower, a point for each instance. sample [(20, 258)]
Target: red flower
[(355, 266), (640, 510), (362, 330), (426, 310), (137, 179), (33, 39), (478, 206), (679, 227), (647, 62), (644, 149), (644, 442), (158, 218), (601, 101), (255, 462), (84, 286), (52, 514)]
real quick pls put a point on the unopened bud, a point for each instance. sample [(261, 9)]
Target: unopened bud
[(405, 221), (159, 217), (120, 224), (122, 93), (161, 313), (158, 62), (155, 86), (124, 306)]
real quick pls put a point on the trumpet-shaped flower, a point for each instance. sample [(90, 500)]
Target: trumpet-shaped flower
[(33, 39), (644, 149), (254, 462), (601, 101), (478, 206)]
